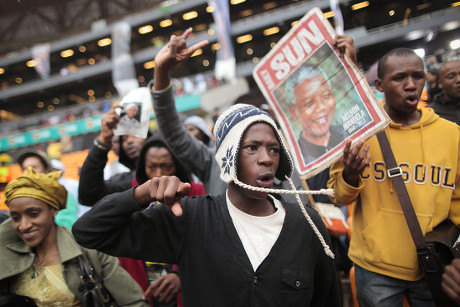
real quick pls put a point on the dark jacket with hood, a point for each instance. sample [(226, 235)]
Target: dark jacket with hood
[(157, 140), (449, 110), (92, 185), (136, 267), (182, 172)]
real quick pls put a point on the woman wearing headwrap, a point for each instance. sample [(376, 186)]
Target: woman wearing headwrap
[(38, 258)]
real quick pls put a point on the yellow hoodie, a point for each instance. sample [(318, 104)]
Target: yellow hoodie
[(429, 154)]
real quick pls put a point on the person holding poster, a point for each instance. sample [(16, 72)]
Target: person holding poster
[(427, 150), (92, 185)]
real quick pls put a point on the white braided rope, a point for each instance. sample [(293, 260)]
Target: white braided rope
[(326, 247), (329, 192)]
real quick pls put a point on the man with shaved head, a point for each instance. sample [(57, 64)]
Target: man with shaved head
[(426, 148), (447, 103)]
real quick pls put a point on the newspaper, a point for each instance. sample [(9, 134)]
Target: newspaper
[(135, 113), (320, 99)]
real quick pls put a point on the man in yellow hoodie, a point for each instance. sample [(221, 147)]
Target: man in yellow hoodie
[(427, 150)]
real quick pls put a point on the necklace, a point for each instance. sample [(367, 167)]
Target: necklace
[(35, 272), (47, 259)]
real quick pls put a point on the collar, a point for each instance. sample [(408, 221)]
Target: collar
[(66, 244)]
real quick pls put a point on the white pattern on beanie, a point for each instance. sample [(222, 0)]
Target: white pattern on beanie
[(229, 130)]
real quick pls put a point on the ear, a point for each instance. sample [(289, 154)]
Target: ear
[(53, 210), (378, 85)]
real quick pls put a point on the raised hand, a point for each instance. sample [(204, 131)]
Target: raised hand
[(164, 289), (170, 55), (346, 45), (109, 122), (176, 51), (355, 161), (165, 189)]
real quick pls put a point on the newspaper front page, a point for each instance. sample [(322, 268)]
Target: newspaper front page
[(320, 99)]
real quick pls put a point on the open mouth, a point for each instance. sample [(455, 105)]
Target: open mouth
[(320, 120), (265, 180), (412, 99)]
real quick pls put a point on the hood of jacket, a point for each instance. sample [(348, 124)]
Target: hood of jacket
[(157, 140), (428, 117)]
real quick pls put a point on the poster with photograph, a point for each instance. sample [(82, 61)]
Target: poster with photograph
[(135, 113), (320, 99)]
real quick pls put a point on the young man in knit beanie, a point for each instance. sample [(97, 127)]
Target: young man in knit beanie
[(241, 248), (244, 242)]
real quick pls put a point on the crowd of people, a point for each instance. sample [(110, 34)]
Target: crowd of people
[(186, 217)]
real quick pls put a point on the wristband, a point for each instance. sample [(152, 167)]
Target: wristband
[(101, 146), (150, 86)]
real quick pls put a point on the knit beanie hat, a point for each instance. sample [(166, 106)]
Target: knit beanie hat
[(229, 130), (200, 124)]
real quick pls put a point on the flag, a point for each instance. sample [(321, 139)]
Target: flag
[(225, 67), (41, 56), (123, 71), (338, 19)]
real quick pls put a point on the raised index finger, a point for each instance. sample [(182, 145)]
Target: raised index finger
[(346, 149), (187, 33), (197, 46)]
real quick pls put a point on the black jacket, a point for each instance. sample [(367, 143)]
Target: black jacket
[(215, 269), (449, 110), (92, 186)]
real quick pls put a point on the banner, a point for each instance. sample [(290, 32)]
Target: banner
[(338, 19), (320, 99), (225, 67), (41, 56), (123, 71)]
